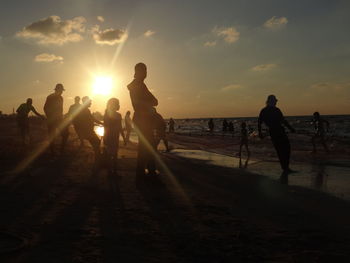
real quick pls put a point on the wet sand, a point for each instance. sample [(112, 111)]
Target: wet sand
[(199, 212)]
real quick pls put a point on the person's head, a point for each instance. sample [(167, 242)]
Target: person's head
[(59, 89), (113, 104), (77, 99), (29, 101), (243, 125), (271, 100), (316, 115), (86, 101), (128, 113), (140, 71)]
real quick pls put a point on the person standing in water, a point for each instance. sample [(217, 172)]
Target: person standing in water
[(320, 130), (53, 109), (273, 119), (128, 126), (211, 125), (112, 122), (143, 103), (171, 125), (22, 118), (244, 139)]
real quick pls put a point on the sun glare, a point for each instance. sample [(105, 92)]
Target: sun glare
[(102, 85)]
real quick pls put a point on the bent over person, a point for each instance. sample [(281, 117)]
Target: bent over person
[(273, 118), (53, 109), (23, 120), (143, 102)]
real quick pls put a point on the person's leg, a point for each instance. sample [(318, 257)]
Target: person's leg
[(247, 149), (166, 144), (95, 143), (324, 144), (240, 150), (313, 143), (281, 151)]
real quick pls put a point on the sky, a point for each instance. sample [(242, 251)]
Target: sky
[(204, 58)]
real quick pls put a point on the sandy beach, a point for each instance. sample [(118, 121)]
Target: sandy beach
[(60, 210)]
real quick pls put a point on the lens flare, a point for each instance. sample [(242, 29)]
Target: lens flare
[(102, 85)]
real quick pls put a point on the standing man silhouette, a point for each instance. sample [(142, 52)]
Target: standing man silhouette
[(22, 118), (273, 118), (143, 102), (53, 109)]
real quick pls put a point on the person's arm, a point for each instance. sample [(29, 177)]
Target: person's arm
[(122, 130), (36, 113), (151, 99), (259, 126), (96, 120), (286, 123)]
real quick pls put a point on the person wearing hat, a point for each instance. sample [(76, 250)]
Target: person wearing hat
[(22, 118), (274, 120), (53, 109)]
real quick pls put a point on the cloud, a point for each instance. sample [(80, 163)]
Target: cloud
[(108, 36), (230, 34), (45, 57), (149, 33), (53, 30), (328, 86), (276, 22), (264, 67), (231, 87), (100, 19), (210, 44)]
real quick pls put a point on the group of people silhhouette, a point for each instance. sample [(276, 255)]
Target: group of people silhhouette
[(148, 124)]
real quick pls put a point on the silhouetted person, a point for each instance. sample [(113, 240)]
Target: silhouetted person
[(244, 139), (161, 131), (53, 109), (211, 125), (128, 125), (112, 122), (143, 102), (273, 118), (320, 130), (231, 128), (224, 125), (23, 120), (85, 123), (73, 112), (171, 125)]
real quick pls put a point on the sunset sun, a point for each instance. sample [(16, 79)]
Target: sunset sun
[(102, 85)]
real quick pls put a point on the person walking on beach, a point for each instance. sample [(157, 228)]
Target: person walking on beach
[(85, 122), (224, 125), (143, 102), (112, 122), (171, 125), (244, 139), (273, 118), (53, 109), (73, 112), (23, 120), (320, 130), (128, 126), (161, 131), (211, 125)]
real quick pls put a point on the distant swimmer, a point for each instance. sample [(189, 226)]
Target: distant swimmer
[(244, 139), (211, 125), (53, 109), (22, 118), (112, 122), (273, 119), (128, 126), (321, 127), (73, 112)]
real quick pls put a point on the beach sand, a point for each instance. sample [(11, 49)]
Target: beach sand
[(63, 211)]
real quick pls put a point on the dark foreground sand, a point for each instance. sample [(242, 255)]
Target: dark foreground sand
[(199, 213)]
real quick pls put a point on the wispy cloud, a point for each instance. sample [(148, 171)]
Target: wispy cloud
[(328, 86), (264, 67), (108, 36), (45, 57), (149, 33), (231, 87), (100, 19), (230, 34), (276, 22), (210, 43), (53, 30)]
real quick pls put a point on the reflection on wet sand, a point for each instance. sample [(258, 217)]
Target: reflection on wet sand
[(317, 175)]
